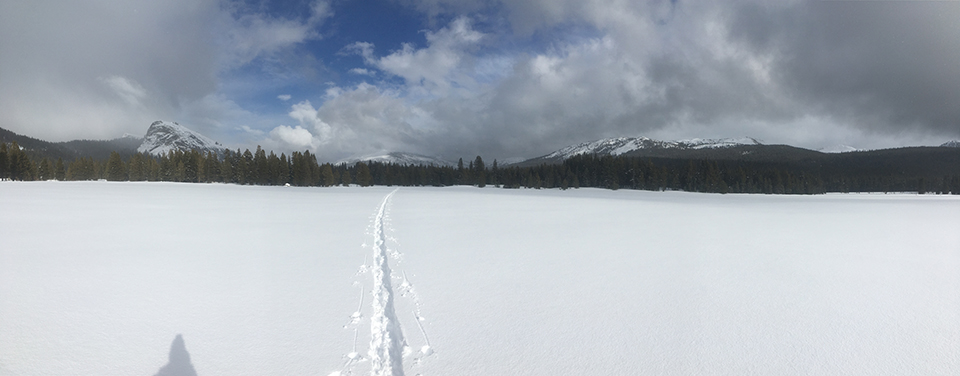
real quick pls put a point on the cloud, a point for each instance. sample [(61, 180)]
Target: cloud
[(876, 72), (433, 68), (129, 90), (495, 78), (254, 132), (357, 121), (110, 69), (362, 72), (295, 137), (250, 35)]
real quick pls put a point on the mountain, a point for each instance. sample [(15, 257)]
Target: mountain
[(69, 150), (163, 137), (838, 149), (625, 145), (951, 144), (647, 147), (399, 158)]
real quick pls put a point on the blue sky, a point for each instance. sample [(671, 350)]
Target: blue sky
[(501, 79)]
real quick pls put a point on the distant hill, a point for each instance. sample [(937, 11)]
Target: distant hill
[(69, 150), (399, 158), (161, 137), (746, 148)]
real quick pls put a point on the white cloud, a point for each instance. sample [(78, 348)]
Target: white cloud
[(251, 131), (364, 49), (295, 137), (362, 72), (434, 66), (284, 97)]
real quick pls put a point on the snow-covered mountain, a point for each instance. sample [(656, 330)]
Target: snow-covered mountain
[(838, 149), (623, 145), (163, 137), (951, 144), (399, 158)]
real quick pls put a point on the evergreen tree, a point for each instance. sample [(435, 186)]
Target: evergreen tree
[(249, 168), (4, 161), (60, 172), (480, 172), (260, 170), (191, 166), (44, 170), (326, 172), (460, 174), (21, 168), (211, 168), (284, 172), (363, 174), (136, 167), (115, 170)]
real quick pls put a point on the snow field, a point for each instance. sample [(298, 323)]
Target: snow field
[(98, 278)]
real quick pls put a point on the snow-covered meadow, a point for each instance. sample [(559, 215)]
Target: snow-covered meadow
[(98, 278)]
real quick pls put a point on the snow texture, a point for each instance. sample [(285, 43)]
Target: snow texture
[(951, 144), (163, 137), (623, 145), (97, 277)]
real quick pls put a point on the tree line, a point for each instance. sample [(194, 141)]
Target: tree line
[(612, 172)]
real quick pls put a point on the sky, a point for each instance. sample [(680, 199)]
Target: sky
[(500, 79)]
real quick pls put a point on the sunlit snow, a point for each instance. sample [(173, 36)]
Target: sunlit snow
[(98, 278)]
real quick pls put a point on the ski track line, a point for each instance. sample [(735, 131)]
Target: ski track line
[(386, 336)]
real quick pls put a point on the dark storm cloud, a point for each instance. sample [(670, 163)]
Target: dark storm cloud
[(883, 66)]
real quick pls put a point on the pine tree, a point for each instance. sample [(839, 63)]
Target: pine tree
[(4, 161), (249, 168), (284, 170), (21, 168), (44, 170), (260, 170), (326, 172), (480, 172), (363, 174), (226, 169), (191, 166), (460, 174), (60, 173), (115, 170)]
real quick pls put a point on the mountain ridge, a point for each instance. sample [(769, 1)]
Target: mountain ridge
[(400, 158), (163, 137)]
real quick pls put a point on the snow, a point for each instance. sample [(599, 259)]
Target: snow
[(100, 277), (951, 144)]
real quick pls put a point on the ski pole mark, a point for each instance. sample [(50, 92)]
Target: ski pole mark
[(386, 337)]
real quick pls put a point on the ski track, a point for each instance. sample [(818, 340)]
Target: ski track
[(386, 337), (388, 345)]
